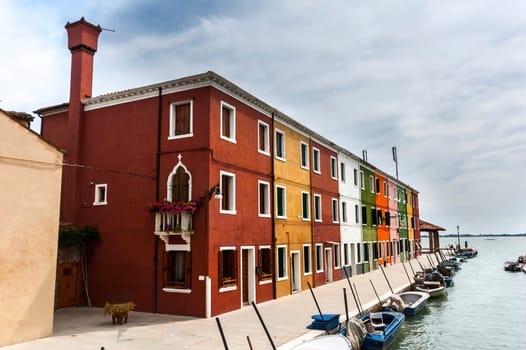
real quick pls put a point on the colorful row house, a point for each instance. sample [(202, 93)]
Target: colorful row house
[(207, 199)]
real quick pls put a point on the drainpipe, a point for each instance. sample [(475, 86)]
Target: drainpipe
[(272, 212), (157, 182), (313, 251)]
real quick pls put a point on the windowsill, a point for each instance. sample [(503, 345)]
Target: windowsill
[(267, 153), (264, 215), (177, 290), (282, 159), (305, 219), (265, 282), (307, 273), (229, 212), (317, 172), (100, 203), (228, 139), (319, 271), (281, 217), (282, 278), (304, 167), (175, 137), (318, 220), (227, 289)]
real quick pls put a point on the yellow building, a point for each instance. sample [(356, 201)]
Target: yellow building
[(30, 176), (410, 223), (293, 225)]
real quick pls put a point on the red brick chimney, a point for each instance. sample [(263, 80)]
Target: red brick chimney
[(82, 42)]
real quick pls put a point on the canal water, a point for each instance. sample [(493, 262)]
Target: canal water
[(486, 308)]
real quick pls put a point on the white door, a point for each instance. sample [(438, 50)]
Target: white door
[(328, 264), (295, 271)]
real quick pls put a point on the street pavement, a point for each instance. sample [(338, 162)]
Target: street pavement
[(286, 319)]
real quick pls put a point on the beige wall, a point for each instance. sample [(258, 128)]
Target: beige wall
[(30, 177)]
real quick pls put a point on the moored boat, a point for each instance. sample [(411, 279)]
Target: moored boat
[(335, 341), (414, 301), (513, 266), (382, 328), (434, 288)]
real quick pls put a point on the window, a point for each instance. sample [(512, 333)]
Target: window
[(346, 254), (412, 222), (228, 122), (316, 160), (387, 218), (373, 216), (344, 211), (379, 216), (305, 206), (280, 145), (358, 253), (377, 181), (263, 138), (228, 191), (177, 270), (342, 171), (355, 174), (281, 201), (334, 210), (282, 263), (180, 120), (101, 194), (227, 268), (362, 180), (371, 183), (319, 257), (386, 191), (307, 260), (356, 213), (265, 264), (304, 155), (334, 170), (365, 252), (264, 199), (364, 215), (375, 251), (317, 208), (337, 259)]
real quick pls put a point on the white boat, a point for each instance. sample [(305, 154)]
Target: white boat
[(434, 288), (414, 301), (333, 342)]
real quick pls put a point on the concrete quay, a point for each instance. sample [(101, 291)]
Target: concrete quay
[(286, 319)]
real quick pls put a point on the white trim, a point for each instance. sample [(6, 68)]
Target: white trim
[(233, 199), (169, 194), (96, 200), (171, 129), (306, 166), (320, 208), (343, 172), (308, 206), (232, 122), (310, 260), (284, 202), (318, 159), (251, 270), (334, 168), (318, 257), (296, 255), (285, 261), (177, 290), (231, 288), (267, 199), (337, 250), (276, 131), (344, 213), (267, 138), (337, 207)]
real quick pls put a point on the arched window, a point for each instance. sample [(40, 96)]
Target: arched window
[(179, 184)]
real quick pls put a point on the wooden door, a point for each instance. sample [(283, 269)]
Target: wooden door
[(244, 276), (67, 284)]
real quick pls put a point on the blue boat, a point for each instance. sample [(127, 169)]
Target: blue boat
[(382, 328), (411, 302)]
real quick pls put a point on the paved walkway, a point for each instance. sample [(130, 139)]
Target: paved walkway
[(286, 319)]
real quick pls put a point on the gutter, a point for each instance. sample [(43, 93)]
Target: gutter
[(157, 182)]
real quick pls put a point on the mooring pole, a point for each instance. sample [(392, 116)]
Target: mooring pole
[(264, 326), (221, 332), (374, 289), (407, 274), (346, 312), (352, 291), (318, 307), (389, 284)]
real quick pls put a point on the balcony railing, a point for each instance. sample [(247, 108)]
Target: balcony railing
[(167, 224)]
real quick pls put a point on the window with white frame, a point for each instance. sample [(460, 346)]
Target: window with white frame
[(355, 174), (282, 262), (227, 268), (386, 192), (305, 206), (264, 198), (228, 122), (362, 180), (366, 252), (346, 254), (364, 215), (337, 259), (371, 183), (281, 202), (377, 181), (356, 213), (344, 212), (228, 192), (101, 194), (307, 260), (358, 253), (342, 171), (304, 155), (177, 270), (280, 145), (319, 257), (316, 160), (317, 208), (181, 121), (265, 264), (373, 216), (263, 138), (334, 169), (334, 210)]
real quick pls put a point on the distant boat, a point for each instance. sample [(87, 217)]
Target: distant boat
[(382, 328), (336, 342), (513, 266)]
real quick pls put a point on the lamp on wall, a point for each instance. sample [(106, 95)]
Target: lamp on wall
[(216, 191)]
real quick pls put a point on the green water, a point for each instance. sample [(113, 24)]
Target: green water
[(486, 309)]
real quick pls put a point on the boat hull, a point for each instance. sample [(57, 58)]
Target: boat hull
[(433, 291), (381, 338), (416, 301), (336, 342)]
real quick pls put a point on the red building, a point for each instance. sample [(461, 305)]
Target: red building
[(187, 140)]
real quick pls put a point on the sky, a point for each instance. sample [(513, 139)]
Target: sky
[(443, 81)]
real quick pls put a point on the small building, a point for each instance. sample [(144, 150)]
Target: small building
[(434, 238), (30, 175)]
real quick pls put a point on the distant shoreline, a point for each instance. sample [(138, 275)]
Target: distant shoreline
[(480, 235)]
